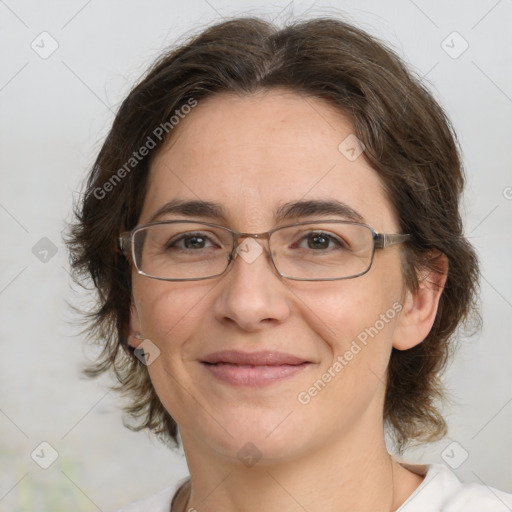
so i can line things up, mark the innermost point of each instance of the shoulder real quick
(442, 491)
(158, 502)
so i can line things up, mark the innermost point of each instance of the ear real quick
(134, 336)
(420, 306)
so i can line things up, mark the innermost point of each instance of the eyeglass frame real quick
(380, 241)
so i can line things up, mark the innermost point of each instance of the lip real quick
(253, 368)
(262, 358)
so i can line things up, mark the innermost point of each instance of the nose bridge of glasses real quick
(262, 236)
(245, 245)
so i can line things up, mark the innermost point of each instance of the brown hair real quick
(408, 140)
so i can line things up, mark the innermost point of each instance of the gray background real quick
(55, 112)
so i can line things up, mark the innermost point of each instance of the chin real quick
(267, 437)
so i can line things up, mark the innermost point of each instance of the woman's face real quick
(251, 156)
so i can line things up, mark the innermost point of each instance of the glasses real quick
(183, 250)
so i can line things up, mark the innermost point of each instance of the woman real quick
(272, 226)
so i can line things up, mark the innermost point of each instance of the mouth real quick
(253, 368)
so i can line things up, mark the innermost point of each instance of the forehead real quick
(255, 153)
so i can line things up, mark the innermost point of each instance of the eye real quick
(190, 241)
(322, 241)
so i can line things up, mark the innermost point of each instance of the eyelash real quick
(184, 236)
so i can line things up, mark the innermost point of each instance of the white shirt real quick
(440, 491)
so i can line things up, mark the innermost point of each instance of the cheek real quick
(339, 311)
(356, 320)
(170, 314)
(169, 311)
(357, 329)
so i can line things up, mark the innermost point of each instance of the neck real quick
(339, 477)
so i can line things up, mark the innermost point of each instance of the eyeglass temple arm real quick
(124, 241)
(383, 240)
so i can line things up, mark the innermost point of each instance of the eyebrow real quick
(317, 207)
(196, 208)
(287, 212)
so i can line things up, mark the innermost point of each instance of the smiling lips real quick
(252, 368)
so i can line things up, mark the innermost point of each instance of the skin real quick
(253, 154)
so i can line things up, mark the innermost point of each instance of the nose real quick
(252, 295)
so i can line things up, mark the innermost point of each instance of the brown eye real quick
(318, 242)
(190, 241)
